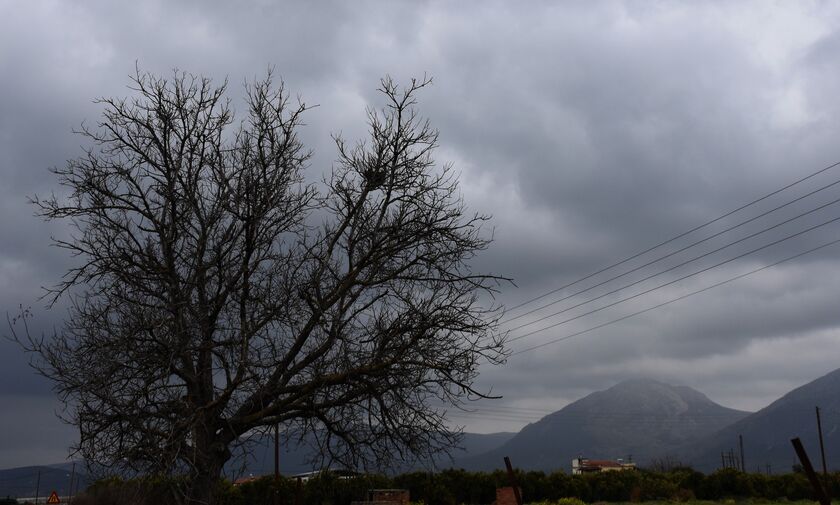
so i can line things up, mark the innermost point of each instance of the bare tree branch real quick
(207, 306)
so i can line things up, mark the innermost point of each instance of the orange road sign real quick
(53, 498)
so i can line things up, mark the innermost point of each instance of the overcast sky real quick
(590, 130)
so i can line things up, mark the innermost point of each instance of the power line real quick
(689, 247)
(496, 417)
(651, 276)
(677, 237)
(464, 408)
(627, 416)
(732, 279)
(656, 287)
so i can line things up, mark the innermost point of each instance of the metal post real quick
(72, 477)
(37, 487)
(809, 471)
(276, 462)
(512, 478)
(822, 447)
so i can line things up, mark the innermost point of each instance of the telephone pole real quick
(514, 483)
(37, 487)
(276, 462)
(819, 490)
(822, 447)
(72, 477)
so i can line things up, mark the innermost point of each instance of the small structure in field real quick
(506, 496)
(585, 465)
(339, 473)
(245, 480)
(385, 497)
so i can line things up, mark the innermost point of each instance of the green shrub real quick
(450, 487)
(569, 501)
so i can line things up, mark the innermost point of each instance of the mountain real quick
(25, 481)
(478, 443)
(296, 459)
(640, 420)
(643, 419)
(767, 433)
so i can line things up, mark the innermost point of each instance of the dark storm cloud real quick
(590, 131)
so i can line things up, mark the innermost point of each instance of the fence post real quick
(809, 471)
(512, 478)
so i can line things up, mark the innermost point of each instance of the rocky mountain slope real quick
(767, 433)
(640, 420)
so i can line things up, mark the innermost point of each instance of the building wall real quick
(505, 496)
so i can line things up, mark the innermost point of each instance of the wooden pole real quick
(276, 462)
(37, 487)
(822, 447)
(513, 482)
(741, 446)
(72, 476)
(809, 471)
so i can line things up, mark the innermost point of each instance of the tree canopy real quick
(219, 291)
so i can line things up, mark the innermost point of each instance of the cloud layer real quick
(590, 130)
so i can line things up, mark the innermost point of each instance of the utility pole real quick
(276, 461)
(72, 477)
(809, 472)
(513, 482)
(298, 491)
(822, 447)
(741, 446)
(37, 487)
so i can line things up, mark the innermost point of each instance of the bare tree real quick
(217, 293)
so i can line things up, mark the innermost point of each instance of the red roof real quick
(243, 480)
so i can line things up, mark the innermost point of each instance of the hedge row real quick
(452, 487)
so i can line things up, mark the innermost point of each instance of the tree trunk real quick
(201, 491)
(205, 482)
(211, 455)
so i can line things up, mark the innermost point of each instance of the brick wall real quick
(505, 496)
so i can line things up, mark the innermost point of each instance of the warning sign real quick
(53, 498)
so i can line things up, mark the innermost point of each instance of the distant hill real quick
(644, 420)
(296, 459)
(640, 420)
(22, 481)
(767, 433)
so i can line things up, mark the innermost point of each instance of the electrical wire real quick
(651, 276)
(690, 246)
(673, 300)
(677, 237)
